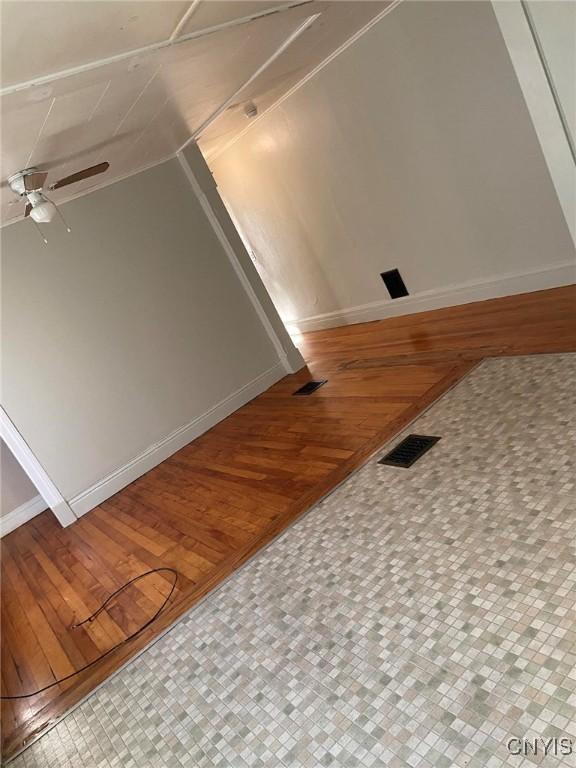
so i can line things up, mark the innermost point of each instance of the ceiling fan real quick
(29, 184)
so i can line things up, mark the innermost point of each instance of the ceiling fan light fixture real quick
(43, 212)
(29, 183)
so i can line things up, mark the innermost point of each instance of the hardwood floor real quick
(217, 501)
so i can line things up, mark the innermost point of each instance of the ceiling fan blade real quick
(94, 170)
(34, 181)
(27, 210)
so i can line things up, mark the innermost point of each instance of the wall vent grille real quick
(394, 283)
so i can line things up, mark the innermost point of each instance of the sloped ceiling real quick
(131, 82)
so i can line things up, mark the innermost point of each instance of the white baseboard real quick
(22, 514)
(437, 298)
(160, 451)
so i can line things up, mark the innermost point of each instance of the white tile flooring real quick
(419, 617)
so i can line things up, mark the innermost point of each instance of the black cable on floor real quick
(118, 645)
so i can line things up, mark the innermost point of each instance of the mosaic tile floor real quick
(416, 618)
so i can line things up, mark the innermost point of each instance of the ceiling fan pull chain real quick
(59, 212)
(39, 231)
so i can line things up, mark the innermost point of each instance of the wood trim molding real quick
(438, 298)
(155, 454)
(22, 514)
(35, 471)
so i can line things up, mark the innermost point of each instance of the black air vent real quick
(309, 387)
(393, 281)
(409, 450)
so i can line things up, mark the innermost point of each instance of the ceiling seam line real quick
(41, 129)
(104, 92)
(148, 125)
(136, 100)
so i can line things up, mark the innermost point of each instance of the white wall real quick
(412, 149)
(126, 338)
(15, 487)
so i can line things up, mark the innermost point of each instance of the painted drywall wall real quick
(15, 487)
(412, 149)
(555, 24)
(124, 331)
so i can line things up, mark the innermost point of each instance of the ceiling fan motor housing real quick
(17, 181)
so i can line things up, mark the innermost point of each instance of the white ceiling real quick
(131, 82)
